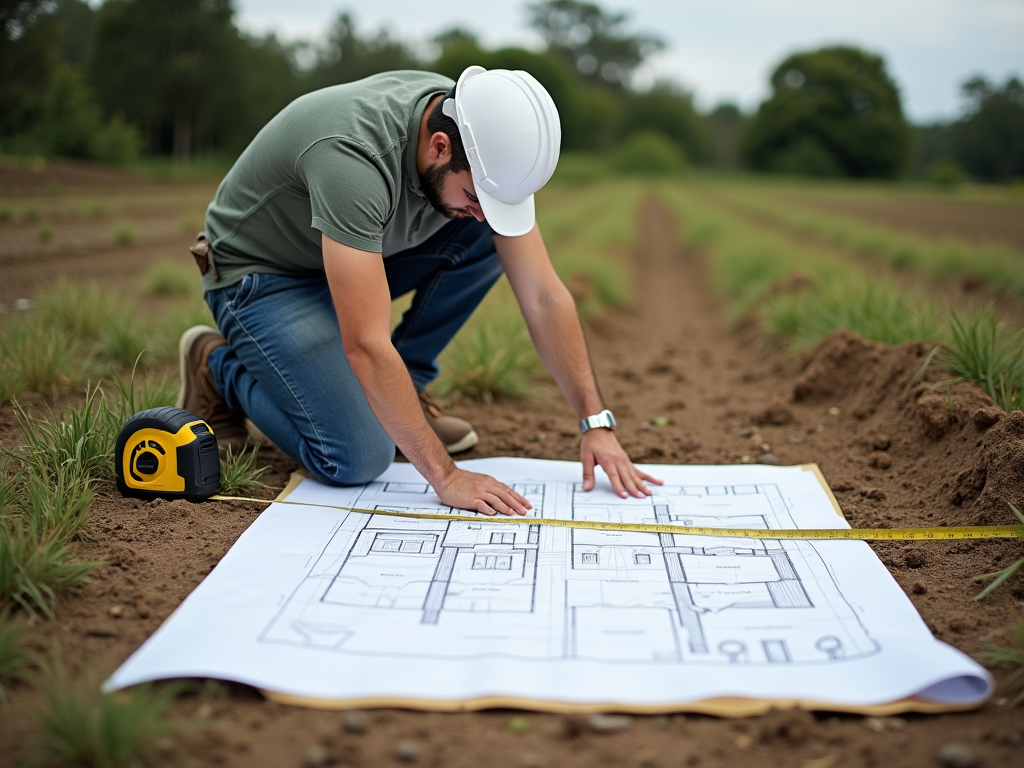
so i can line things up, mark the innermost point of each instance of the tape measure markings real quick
(814, 534)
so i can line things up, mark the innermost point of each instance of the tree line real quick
(179, 78)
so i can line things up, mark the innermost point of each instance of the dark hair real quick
(439, 122)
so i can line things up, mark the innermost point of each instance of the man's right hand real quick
(481, 493)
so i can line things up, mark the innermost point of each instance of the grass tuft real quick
(124, 234)
(15, 658)
(79, 442)
(156, 392)
(999, 577)
(85, 727)
(170, 278)
(983, 350)
(876, 310)
(492, 359)
(34, 566)
(179, 319)
(238, 471)
(39, 358)
(124, 338)
(1012, 656)
(81, 310)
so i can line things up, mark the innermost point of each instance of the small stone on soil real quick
(880, 724)
(747, 431)
(875, 494)
(833, 411)
(407, 751)
(353, 721)
(880, 460)
(573, 725)
(315, 756)
(769, 458)
(881, 443)
(955, 755)
(609, 723)
(777, 412)
(987, 417)
(115, 611)
(100, 632)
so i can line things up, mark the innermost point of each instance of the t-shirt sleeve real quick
(348, 193)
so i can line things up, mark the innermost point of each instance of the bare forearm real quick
(558, 335)
(392, 398)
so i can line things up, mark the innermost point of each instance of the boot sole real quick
(184, 346)
(467, 442)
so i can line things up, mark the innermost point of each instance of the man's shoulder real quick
(400, 86)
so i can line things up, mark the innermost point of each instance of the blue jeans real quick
(286, 369)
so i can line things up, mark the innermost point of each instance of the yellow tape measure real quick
(819, 534)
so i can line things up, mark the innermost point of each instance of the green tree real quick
(165, 63)
(27, 62)
(590, 115)
(834, 111)
(454, 37)
(74, 21)
(988, 141)
(348, 56)
(591, 40)
(266, 79)
(725, 124)
(667, 110)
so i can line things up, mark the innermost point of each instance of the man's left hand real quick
(600, 446)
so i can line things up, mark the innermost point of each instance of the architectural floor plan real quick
(547, 592)
(324, 604)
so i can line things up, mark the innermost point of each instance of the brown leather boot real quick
(456, 434)
(198, 392)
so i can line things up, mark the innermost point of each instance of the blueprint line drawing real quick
(442, 588)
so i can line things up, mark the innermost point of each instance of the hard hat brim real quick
(509, 219)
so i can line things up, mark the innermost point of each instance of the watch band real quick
(602, 419)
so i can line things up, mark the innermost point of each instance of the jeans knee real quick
(353, 465)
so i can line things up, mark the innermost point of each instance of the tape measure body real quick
(802, 534)
(167, 453)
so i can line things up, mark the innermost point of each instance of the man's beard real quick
(431, 182)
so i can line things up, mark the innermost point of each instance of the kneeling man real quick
(354, 195)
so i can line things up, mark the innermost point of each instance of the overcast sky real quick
(724, 50)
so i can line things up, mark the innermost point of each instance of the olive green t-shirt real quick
(339, 161)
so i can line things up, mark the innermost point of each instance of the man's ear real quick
(440, 150)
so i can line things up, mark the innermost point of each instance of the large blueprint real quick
(320, 603)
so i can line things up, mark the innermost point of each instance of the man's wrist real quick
(602, 420)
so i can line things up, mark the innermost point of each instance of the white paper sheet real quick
(327, 604)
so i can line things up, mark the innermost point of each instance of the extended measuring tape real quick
(820, 534)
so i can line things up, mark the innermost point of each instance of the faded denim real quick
(286, 369)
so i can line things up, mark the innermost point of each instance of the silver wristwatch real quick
(602, 419)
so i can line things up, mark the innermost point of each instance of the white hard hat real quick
(510, 130)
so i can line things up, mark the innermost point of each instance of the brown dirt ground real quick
(895, 452)
(975, 221)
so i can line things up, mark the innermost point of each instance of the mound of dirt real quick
(966, 453)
